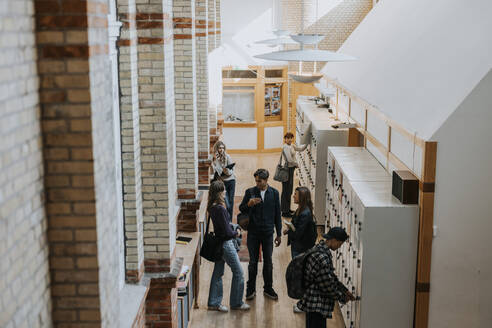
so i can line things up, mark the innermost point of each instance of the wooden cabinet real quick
(189, 286)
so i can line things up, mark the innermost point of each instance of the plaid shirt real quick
(324, 288)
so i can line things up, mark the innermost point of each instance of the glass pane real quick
(273, 73)
(245, 88)
(238, 107)
(239, 74)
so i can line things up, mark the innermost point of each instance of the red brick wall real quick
(63, 54)
(161, 303)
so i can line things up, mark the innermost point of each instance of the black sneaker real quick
(250, 294)
(270, 293)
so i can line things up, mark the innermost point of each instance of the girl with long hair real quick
(305, 234)
(220, 165)
(216, 208)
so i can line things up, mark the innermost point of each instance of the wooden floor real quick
(264, 312)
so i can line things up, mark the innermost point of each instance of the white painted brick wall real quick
(157, 133)
(24, 293)
(202, 75)
(185, 95)
(130, 142)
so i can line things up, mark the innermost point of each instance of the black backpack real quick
(294, 275)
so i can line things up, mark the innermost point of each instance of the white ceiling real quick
(418, 59)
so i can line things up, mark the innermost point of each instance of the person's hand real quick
(253, 201)
(349, 295)
(278, 240)
(286, 231)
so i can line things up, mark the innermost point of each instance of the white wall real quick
(243, 23)
(461, 278)
(241, 138)
(418, 60)
(274, 137)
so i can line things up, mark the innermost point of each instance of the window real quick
(238, 103)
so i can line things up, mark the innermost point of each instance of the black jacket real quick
(220, 220)
(265, 216)
(302, 239)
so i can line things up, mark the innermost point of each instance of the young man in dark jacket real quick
(324, 287)
(262, 203)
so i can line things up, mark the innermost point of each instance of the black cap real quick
(337, 233)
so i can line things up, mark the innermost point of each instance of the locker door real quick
(359, 287)
(357, 219)
(346, 193)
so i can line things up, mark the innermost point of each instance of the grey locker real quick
(378, 263)
(312, 162)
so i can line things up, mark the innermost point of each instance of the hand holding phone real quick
(254, 201)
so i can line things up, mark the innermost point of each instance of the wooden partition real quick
(298, 89)
(380, 134)
(266, 124)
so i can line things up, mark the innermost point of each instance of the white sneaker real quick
(296, 309)
(243, 307)
(220, 308)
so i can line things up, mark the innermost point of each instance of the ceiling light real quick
(281, 33)
(307, 38)
(278, 41)
(306, 77)
(309, 55)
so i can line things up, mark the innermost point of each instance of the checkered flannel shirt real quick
(324, 288)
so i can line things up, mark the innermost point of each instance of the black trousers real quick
(254, 241)
(230, 186)
(315, 320)
(287, 188)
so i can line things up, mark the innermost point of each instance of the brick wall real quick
(217, 24)
(106, 191)
(171, 131)
(157, 130)
(130, 141)
(211, 25)
(201, 30)
(185, 97)
(77, 117)
(24, 274)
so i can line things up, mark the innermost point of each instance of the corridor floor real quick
(264, 312)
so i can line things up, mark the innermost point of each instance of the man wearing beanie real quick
(324, 288)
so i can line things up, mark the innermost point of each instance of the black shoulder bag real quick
(212, 246)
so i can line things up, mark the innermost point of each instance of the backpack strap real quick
(310, 252)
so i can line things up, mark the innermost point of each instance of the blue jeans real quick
(237, 287)
(230, 187)
(254, 241)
